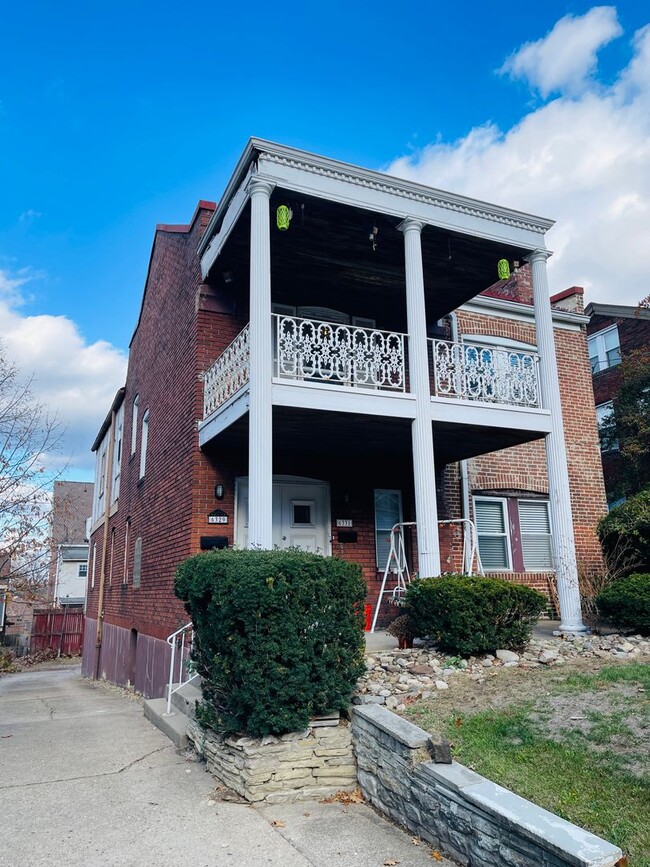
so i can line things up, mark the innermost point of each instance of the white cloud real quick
(565, 58)
(584, 162)
(29, 215)
(74, 379)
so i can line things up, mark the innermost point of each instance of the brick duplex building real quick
(321, 356)
(614, 332)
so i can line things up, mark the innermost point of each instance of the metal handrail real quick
(178, 639)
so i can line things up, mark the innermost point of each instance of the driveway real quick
(86, 780)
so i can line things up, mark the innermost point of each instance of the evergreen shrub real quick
(626, 603)
(467, 615)
(278, 636)
(624, 535)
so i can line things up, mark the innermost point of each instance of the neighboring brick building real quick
(397, 383)
(71, 508)
(614, 331)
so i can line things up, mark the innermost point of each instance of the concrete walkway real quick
(86, 780)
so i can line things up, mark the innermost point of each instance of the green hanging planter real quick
(503, 269)
(283, 217)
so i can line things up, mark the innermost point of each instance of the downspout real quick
(102, 575)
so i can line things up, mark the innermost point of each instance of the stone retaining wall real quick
(314, 763)
(466, 816)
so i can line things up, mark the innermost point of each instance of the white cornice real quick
(378, 182)
(405, 189)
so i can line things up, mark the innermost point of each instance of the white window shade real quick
(491, 528)
(535, 528)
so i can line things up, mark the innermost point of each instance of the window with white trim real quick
(535, 527)
(604, 349)
(83, 570)
(514, 534)
(491, 518)
(388, 512)
(134, 423)
(144, 438)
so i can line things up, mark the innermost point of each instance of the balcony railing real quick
(228, 373)
(486, 373)
(314, 351)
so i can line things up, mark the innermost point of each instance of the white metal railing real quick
(228, 373)
(309, 349)
(487, 373)
(397, 563)
(180, 665)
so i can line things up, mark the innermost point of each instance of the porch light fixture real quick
(503, 269)
(219, 492)
(283, 217)
(372, 237)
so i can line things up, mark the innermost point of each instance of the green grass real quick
(575, 774)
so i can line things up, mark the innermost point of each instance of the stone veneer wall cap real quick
(455, 776)
(402, 730)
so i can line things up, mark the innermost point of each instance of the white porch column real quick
(564, 552)
(260, 418)
(424, 470)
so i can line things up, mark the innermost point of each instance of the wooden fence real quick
(59, 629)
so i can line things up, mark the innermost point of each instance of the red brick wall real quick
(523, 468)
(163, 372)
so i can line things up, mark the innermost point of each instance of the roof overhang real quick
(117, 403)
(307, 173)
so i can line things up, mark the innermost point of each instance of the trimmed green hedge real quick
(467, 615)
(278, 636)
(626, 603)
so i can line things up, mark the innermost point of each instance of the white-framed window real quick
(117, 454)
(514, 534)
(92, 574)
(134, 423)
(125, 568)
(604, 413)
(535, 527)
(388, 512)
(110, 569)
(83, 570)
(604, 349)
(144, 438)
(491, 518)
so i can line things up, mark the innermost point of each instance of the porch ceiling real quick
(310, 432)
(326, 258)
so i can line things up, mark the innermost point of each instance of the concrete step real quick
(174, 725)
(186, 697)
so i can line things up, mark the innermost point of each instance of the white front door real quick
(301, 516)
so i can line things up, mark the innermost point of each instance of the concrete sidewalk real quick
(86, 780)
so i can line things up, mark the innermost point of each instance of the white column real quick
(260, 417)
(424, 471)
(564, 551)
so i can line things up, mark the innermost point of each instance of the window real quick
(388, 512)
(83, 570)
(492, 530)
(535, 526)
(604, 415)
(117, 454)
(125, 570)
(514, 534)
(143, 443)
(604, 349)
(302, 513)
(92, 576)
(137, 561)
(134, 423)
(110, 568)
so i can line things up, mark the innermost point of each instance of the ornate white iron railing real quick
(308, 349)
(228, 373)
(486, 373)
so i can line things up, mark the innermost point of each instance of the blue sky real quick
(116, 117)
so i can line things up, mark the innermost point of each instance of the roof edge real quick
(117, 403)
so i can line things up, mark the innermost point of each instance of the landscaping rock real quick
(507, 656)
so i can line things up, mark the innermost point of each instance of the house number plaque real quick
(217, 517)
(343, 522)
